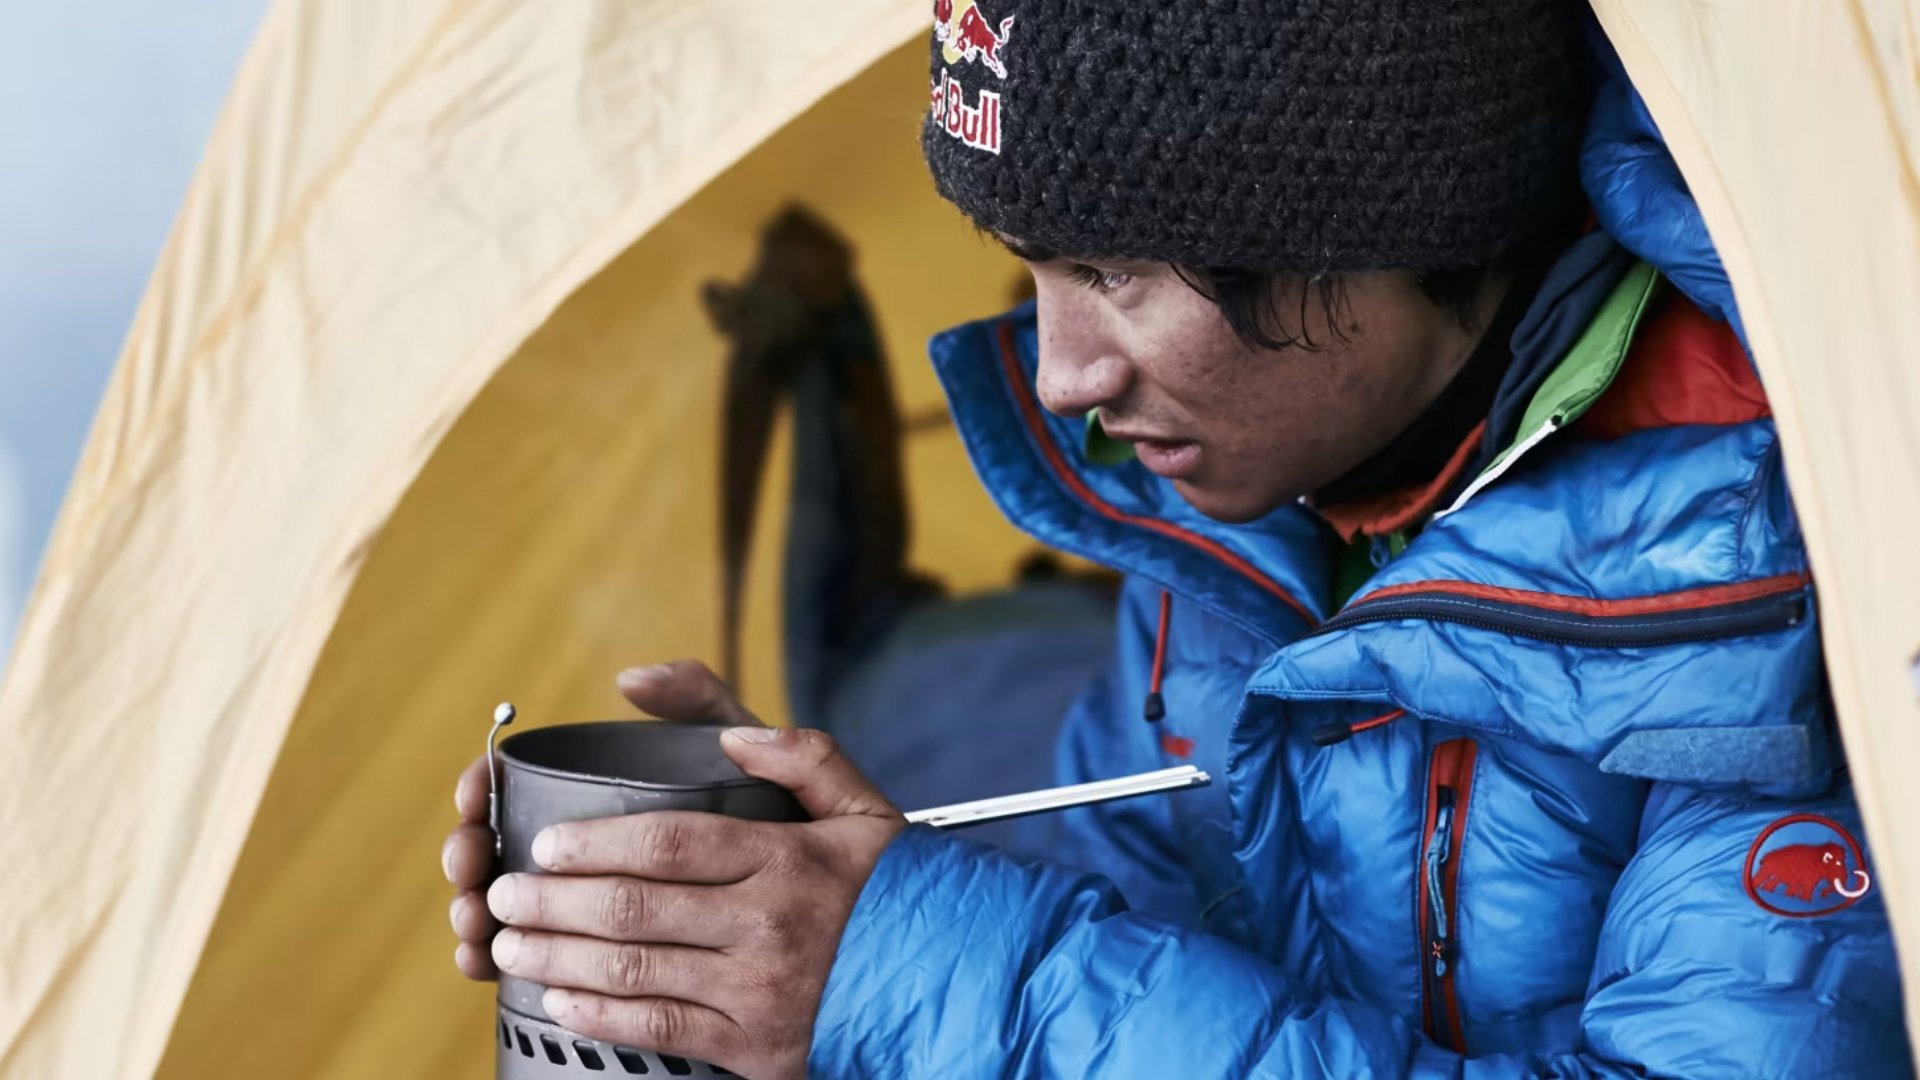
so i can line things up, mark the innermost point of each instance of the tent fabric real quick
(1797, 127)
(397, 197)
(565, 527)
(417, 416)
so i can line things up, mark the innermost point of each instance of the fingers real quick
(683, 690)
(475, 962)
(809, 764)
(467, 856)
(665, 845)
(621, 969)
(616, 909)
(467, 860)
(470, 792)
(471, 919)
(664, 1026)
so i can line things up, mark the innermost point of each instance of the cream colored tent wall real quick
(1798, 128)
(564, 529)
(396, 198)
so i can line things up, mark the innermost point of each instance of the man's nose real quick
(1079, 370)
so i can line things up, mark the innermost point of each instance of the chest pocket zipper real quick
(1437, 852)
(1449, 787)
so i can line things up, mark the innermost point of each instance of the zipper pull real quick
(1379, 552)
(1439, 948)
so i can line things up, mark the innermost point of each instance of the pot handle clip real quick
(503, 715)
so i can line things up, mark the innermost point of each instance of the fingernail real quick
(543, 846)
(751, 734)
(446, 858)
(555, 1002)
(506, 947)
(500, 898)
(642, 673)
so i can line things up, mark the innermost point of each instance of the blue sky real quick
(104, 108)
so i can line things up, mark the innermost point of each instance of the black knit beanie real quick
(1266, 135)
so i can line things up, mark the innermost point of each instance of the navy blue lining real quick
(1574, 289)
(1737, 619)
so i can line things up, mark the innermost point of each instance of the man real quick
(1458, 548)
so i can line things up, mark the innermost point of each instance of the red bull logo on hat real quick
(1805, 865)
(977, 125)
(966, 37)
(963, 29)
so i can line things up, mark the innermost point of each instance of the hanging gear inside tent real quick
(801, 310)
(424, 328)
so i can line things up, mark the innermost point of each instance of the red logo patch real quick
(963, 28)
(1805, 865)
(966, 37)
(1177, 745)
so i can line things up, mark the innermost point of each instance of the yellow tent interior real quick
(594, 548)
(418, 415)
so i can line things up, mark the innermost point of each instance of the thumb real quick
(684, 690)
(809, 764)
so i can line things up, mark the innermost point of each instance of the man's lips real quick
(1175, 459)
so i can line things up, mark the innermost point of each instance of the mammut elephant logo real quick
(1805, 865)
(1803, 870)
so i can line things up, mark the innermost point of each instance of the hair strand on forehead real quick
(1251, 301)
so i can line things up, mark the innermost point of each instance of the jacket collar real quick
(1269, 576)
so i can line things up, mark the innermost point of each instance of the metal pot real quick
(577, 772)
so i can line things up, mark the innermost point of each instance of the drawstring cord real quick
(1156, 706)
(1334, 734)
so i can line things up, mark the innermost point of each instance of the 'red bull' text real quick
(976, 125)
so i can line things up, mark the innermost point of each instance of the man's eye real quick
(1097, 279)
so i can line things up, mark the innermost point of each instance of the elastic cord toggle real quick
(1335, 734)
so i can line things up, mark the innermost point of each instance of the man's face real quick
(1239, 430)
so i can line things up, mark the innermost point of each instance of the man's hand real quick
(467, 860)
(693, 934)
(683, 690)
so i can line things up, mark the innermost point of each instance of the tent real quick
(414, 418)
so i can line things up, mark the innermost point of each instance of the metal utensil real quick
(981, 811)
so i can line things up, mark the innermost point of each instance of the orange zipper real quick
(1449, 794)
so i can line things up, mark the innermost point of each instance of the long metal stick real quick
(981, 811)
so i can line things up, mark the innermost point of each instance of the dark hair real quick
(1253, 302)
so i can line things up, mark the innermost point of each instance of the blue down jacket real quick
(1556, 793)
